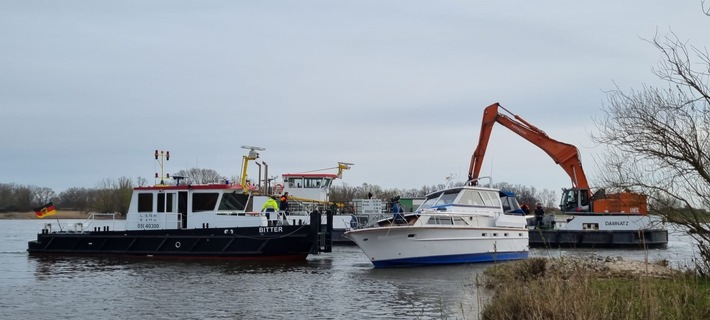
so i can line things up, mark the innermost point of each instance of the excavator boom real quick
(565, 155)
(575, 199)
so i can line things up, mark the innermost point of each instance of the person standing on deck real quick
(397, 211)
(283, 206)
(270, 206)
(539, 214)
(525, 208)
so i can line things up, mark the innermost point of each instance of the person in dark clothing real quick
(539, 214)
(397, 211)
(283, 206)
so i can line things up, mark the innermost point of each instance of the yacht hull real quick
(411, 246)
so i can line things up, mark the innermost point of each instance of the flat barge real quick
(594, 230)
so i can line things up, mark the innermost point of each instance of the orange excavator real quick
(579, 198)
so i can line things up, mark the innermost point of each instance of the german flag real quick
(45, 210)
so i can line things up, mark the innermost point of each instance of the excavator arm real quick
(566, 155)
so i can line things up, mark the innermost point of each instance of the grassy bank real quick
(593, 288)
(61, 214)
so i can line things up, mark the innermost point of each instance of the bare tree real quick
(75, 199)
(549, 199)
(103, 196)
(659, 140)
(43, 195)
(123, 192)
(199, 176)
(141, 181)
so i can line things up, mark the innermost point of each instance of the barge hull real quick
(631, 239)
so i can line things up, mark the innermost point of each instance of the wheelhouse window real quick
(204, 201)
(313, 182)
(234, 201)
(295, 182)
(326, 183)
(165, 202)
(145, 202)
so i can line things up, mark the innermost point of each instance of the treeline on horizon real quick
(114, 195)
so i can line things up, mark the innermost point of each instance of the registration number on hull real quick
(148, 226)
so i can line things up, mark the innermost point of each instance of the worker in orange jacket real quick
(283, 206)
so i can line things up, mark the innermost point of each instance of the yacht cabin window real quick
(145, 202)
(490, 198)
(439, 220)
(471, 197)
(204, 201)
(507, 204)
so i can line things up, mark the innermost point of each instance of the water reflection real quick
(339, 285)
(70, 267)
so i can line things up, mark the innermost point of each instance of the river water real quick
(338, 285)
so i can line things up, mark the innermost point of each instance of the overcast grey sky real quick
(89, 89)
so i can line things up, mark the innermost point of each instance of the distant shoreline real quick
(61, 214)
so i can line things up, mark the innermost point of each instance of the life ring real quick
(177, 244)
(278, 188)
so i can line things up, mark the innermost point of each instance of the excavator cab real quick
(575, 200)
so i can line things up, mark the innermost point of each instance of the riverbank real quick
(594, 288)
(61, 214)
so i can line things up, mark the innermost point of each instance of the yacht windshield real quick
(429, 201)
(448, 197)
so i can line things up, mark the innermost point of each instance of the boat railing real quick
(361, 221)
(307, 206)
(81, 227)
(96, 216)
(476, 181)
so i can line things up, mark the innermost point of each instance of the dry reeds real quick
(592, 288)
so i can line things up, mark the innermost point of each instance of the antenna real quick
(161, 157)
(450, 180)
(253, 154)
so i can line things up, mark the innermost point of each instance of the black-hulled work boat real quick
(192, 221)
